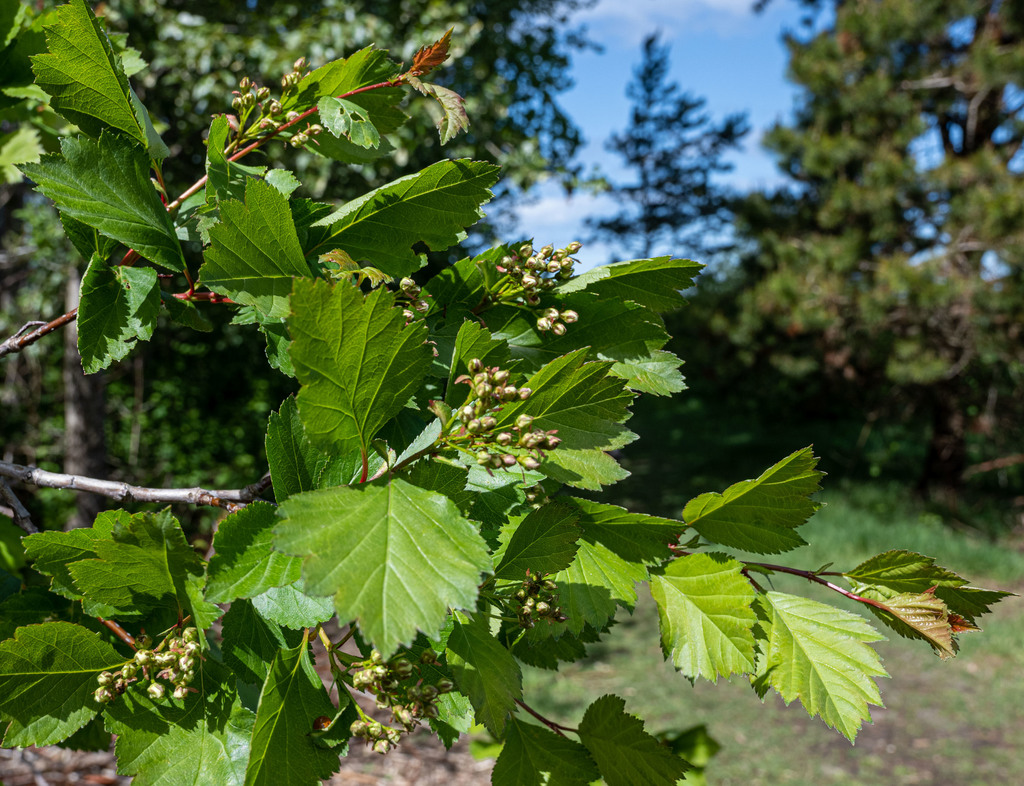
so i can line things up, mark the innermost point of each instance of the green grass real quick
(955, 723)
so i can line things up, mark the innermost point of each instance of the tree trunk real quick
(946, 459)
(85, 444)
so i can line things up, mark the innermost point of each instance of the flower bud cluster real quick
(250, 96)
(556, 321)
(538, 271)
(174, 661)
(536, 600)
(518, 445)
(409, 704)
(409, 296)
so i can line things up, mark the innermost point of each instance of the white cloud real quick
(631, 20)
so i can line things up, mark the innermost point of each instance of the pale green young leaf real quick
(47, 679)
(760, 515)
(535, 756)
(119, 305)
(347, 119)
(657, 373)
(251, 642)
(182, 742)
(291, 607)
(484, 671)
(83, 75)
(394, 556)
(655, 283)
(255, 254)
(453, 110)
(244, 564)
(590, 469)
(283, 180)
(544, 542)
(154, 144)
(819, 654)
(704, 604)
(433, 206)
(626, 755)
(104, 183)
(357, 360)
(921, 615)
(146, 564)
(283, 752)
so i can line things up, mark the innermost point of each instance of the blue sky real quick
(720, 50)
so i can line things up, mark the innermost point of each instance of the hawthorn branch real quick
(557, 728)
(230, 499)
(19, 513)
(21, 339)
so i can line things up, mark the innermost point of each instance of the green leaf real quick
(654, 283)
(634, 536)
(471, 341)
(244, 564)
(922, 616)
(145, 564)
(283, 180)
(760, 515)
(255, 254)
(818, 654)
(47, 679)
(394, 556)
(903, 571)
(484, 670)
(348, 119)
(366, 67)
(970, 602)
(225, 179)
(291, 607)
(533, 756)
(87, 240)
(453, 111)
(83, 75)
(251, 642)
(657, 373)
(625, 753)
(283, 753)
(581, 402)
(357, 361)
(706, 619)
(119, 305)
(295, 465)
(185, 313)
(105, 184)
(53, 553)
(21, 146)
(31, 606)
(543, 542)
(202, 738)
(432, 206)
(589, 469)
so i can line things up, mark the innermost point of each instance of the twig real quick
(18, 342)
(999, 463)
(231, 499)
(557, 728)
(118, 631)
(20, 515)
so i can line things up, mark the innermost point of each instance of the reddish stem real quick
(209, 297)
(557, 728)
(118, 631)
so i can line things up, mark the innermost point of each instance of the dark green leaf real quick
(760, 515)
(105, 184)
(484, 670)
(47, 679)
(119, 306)
(251, 642)
(544, 542)
(254, 253)
(83, 75)
(244, 564)
(533, 756)
(283, 752)
(433, 207)
(394, 556)
(357, 360)
(626, 755)
(904, 571)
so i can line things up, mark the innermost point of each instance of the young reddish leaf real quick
(430, 57)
